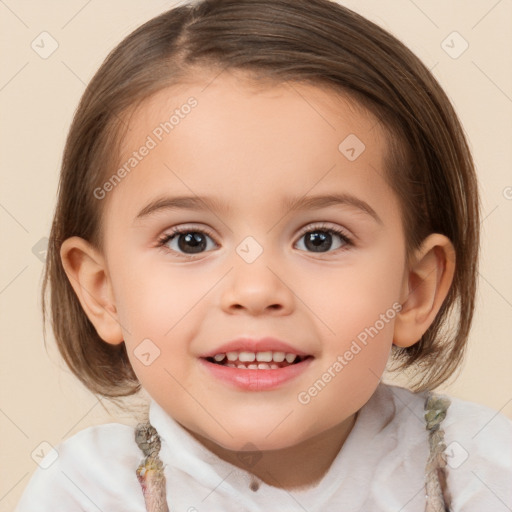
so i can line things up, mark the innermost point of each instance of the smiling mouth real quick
(268, 360)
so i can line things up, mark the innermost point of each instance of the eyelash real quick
(164, 239)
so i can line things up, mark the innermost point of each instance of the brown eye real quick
(321, 240)
(187, 241)
(192, 242)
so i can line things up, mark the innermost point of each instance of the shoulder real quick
(94, 469)
(479, 456)
(479, 427)
(478, 450)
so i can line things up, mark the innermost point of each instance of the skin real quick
(251, 148)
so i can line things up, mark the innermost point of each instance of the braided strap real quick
(150, 472)
(436, 490)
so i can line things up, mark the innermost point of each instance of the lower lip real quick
(256, 380)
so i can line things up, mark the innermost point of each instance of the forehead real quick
(227, 134)
(239, 103)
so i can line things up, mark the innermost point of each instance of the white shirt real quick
(381, 466)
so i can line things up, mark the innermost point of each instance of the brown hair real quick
(315, 41)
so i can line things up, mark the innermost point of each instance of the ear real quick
(86, 270)
(426, 284)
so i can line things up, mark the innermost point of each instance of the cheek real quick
(151, 312)
(151, 300)
(157, 310)
(360, 310)
(143, 309)
(356, 296)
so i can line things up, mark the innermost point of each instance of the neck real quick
(301, 465)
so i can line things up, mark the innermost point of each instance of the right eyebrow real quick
(181, 202)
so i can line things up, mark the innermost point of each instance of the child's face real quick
(256, 274)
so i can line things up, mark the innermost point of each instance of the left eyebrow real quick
(324, 201)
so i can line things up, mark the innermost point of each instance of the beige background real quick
(40, 400)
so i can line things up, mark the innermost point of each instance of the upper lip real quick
(246, 344)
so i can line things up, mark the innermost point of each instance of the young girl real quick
(262, 204)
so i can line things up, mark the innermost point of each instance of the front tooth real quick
(290, 358)
(252, 366)
(263, 366)
(242, 366)
(264, 356)
(219, 357)
(274, 366)
(246, 357)
(278, 357)
(232, 356)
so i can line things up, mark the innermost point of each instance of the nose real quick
(256, 288)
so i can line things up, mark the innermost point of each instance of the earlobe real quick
(426, 284)
(87, 273)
